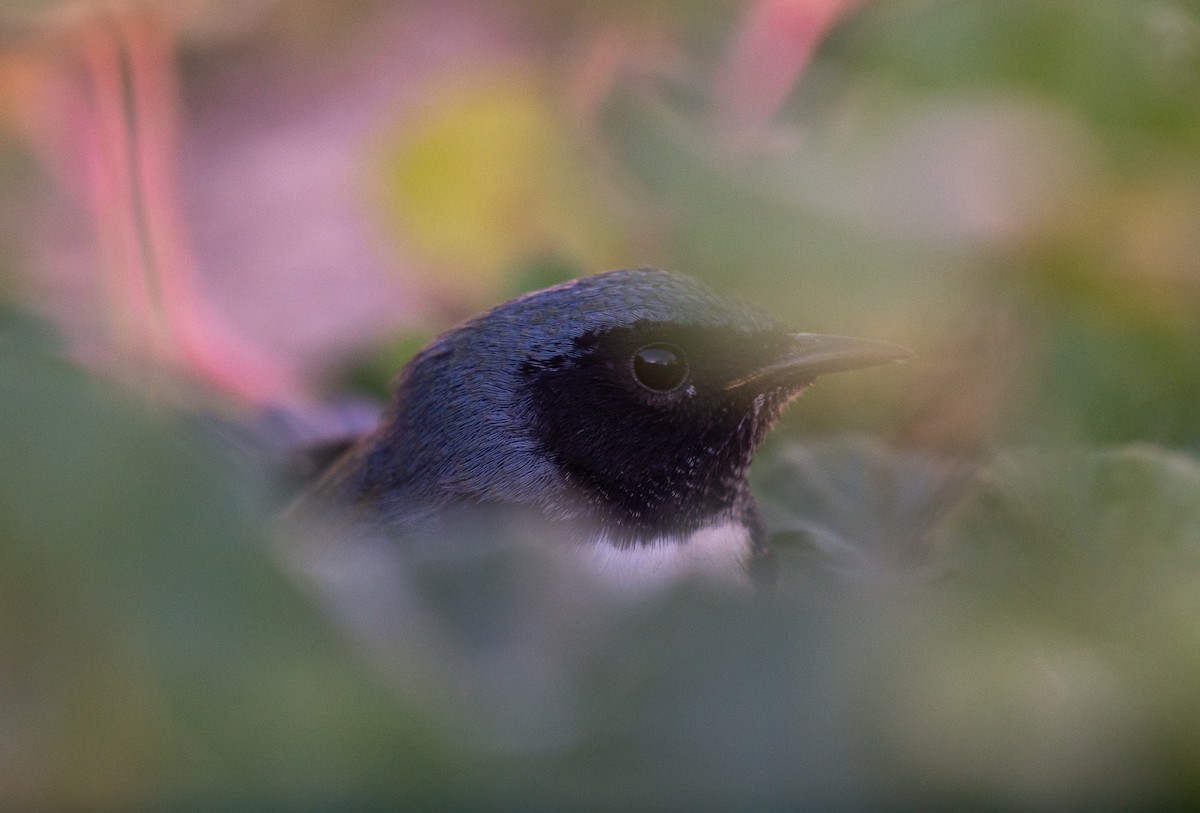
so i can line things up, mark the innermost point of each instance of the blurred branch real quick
(111, 128)
(768, 55)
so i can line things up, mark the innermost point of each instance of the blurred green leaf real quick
(1057, 666)
(1113, 360)
(1101, 528)
(154, 650)
(374, 375)
(1128, 67)
(856, 509)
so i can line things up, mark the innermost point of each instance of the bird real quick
(620, 410)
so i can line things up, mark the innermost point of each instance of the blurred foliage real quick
(1012, 189)
(1105, 290)
(374, 374)
(490, 175)
(151, 648)
(1019, 635)
(1066, 628)
(1131, 69)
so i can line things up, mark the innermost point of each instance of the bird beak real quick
(809, 355)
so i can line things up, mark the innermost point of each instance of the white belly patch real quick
(718, 554)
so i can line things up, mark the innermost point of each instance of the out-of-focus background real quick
(220, 221)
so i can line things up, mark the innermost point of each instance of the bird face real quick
(650, 426)
(625, 406)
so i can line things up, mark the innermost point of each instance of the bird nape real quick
(620, 410)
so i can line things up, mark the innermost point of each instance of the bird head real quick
(627, 403)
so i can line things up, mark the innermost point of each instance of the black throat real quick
(641, 465)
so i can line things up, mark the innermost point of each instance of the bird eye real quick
(659, 367)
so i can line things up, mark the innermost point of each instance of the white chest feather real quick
(717, 554)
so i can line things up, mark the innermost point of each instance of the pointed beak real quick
(809, 355)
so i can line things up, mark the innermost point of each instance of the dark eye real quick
(659, 367)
